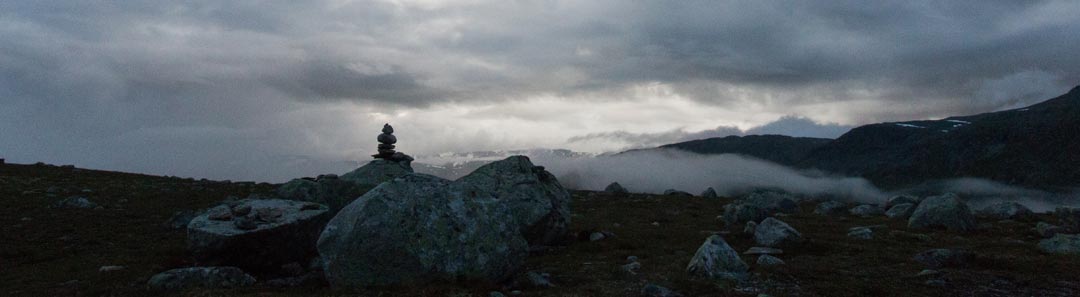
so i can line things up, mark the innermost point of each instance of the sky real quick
(230, 89)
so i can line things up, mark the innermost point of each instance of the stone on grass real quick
(750, 227)
(616, 188)
(772, 232)
(830, 208)
(902, 199)
(674, 192)
(271, 233)
(1007, 210)
(945, 211)
(772, 201)
(737, 212)
(866, 211)
(715, 259)
(769, 260)
(941, 258)
(75, 202)
(709, 193)
(863, 233)
(201, 277)
(901, 211)
(1061, 244)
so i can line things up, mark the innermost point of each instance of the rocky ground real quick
(122, 233)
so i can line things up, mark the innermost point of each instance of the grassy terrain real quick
(57, 252)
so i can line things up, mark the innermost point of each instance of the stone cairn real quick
(386, 146)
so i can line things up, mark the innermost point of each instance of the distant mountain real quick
(1036, 146)
(780, 149)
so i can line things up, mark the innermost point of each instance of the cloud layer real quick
(182, 88)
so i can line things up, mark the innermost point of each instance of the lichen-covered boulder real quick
(1061, 244)
(945, 211)
(900, 211)
(200, 277)
(1007, 210)
(537, 202)
(257, 235)
(615, 188)
(772, 232)
(377, 172)
(329, 190)
(420, 228)
(716, 259)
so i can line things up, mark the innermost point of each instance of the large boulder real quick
(709, 193)
(1061, 244)
(335, 191)
(537, 202)
(900, 211)
(945, 211)
(329, 190)
(615, 188)
(257, 235)
(378, 171)
(716, 259)
(1007, 210)
(200, 277)
(772, 232)
(420, 228)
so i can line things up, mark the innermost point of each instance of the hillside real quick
(780, 149)
(61, 252)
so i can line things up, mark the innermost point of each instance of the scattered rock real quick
(830, 208)
(901, 211)
(111, 268)
(1047, 230)
(769, 260)
(75, 202)
(902, 199)
(652, 290)
(631, 268)
(760, 250)
(180, 219)
(945, 211)
(750, 227)
(928, 272)
(772, 201)
(201, 277)
(941, 258)
(908, 236)
(1068, 218)
(538, 280)
(866, 211)
(420, 228)
(1061, 244)
(674, 192)
(1007, 211)
(737, 212)
(600, 235)
(616, 188)
(274, 233)
(772, 232)
(709, 193)
(861, 233)
(716, 259)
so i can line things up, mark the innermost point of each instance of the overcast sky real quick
(207, 88)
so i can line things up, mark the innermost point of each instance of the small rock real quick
(750, 227)
(769, 260)
(75, 202)
(1047, 230)
(936, 282)
(219, 213)
(655, 223)
(900, 211)
(200, 277)
(830, 208)
(709, 193)
(632, 268)
(866, 211)
(863, 233)
(760, 250)
(928, 272)
(772, 232)
(631, 259)
(940, 258)
(902, 199)
(652, 290)
(110, 268)
(1061, 244)
(596, 236)
(716, 259)
(1007, 210)
(539, 280)
(615, 188)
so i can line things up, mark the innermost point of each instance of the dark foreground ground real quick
(58, 252)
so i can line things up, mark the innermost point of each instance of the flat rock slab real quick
(257, 234)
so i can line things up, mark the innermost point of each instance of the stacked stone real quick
(386, 146)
